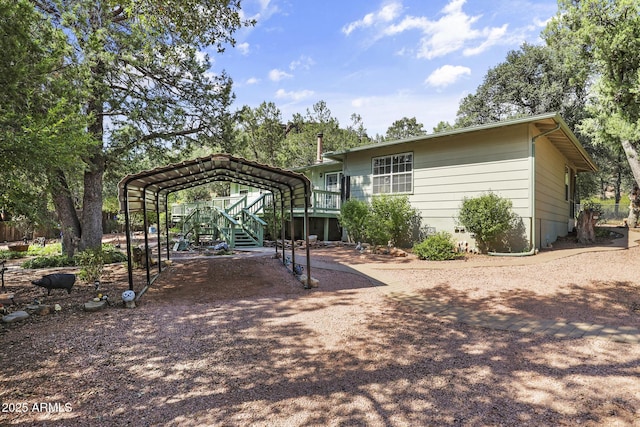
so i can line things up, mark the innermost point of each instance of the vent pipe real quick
(319, 149)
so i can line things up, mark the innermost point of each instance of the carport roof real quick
(154, 185)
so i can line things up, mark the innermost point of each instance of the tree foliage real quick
(605, 35)
(146, 89)
(41, 123)
(532, 80)
(404, 128)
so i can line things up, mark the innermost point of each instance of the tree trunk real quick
(92, 205)
(586, 231)
(634, 208)
(633, 159)
(69, 222)
(96, 163)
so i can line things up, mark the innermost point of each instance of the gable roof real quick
(563, 139)
(154, 185)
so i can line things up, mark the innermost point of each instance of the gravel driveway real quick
(221, 341)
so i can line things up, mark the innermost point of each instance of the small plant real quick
(439, 247)
(489, 217)
(353, 217)
(391, 219)
(91, 263)
(49, 262)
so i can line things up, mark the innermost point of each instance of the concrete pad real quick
(593, 330)
(579, 330)
(542, 326)
(564, 331)
(519, 325)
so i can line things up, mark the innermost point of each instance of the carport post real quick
(158, 231)
(146, 232)
(275, 222)
(166, 223)
(282, 227)
(292, 230)
(127, 226)
(306, 235)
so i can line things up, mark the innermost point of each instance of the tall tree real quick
(262, 133)
(301, 140)
(147, 87)
(606, 35)
(532, 80)
(405, 128)
(41, 125)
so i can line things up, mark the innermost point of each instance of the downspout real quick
(533, 250)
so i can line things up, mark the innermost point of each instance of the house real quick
(532, 161)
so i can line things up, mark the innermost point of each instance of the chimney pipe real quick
(319, 151)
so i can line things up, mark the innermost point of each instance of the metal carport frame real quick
(147, 191)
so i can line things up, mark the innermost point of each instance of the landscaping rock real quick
(95, 305)
(41, 309)
(15, 316)
(314, 282)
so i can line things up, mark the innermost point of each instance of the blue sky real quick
(383, 60)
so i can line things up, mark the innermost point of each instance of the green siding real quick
(451, 168)
(552, 209)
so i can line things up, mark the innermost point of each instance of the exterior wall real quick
(252, 193)
(316, 174)
(448, 169)
(552, 208)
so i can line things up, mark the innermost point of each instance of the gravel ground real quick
(237, 341)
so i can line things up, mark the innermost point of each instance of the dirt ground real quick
(236, 340)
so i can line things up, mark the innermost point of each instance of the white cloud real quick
(294, 95)
(446, 75)
(276, 75)
(454, 30)
(252, 81)
(387, 13)
(304, 63)
(243, 48)
(493, 36)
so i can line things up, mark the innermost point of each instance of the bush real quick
(488, 217)
(109, 255)
(439, 247)
(391, 219)
(353, 217)
(49, 262)
(387, 218)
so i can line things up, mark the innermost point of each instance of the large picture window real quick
(393, 174)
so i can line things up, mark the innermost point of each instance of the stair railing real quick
(226, 224)
(234, 209)
(253, 225)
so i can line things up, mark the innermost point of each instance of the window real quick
(393, 174)
(332, 182)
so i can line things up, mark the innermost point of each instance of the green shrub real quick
(47, 250)
(353, 217)
(49, 262)
(7, 254)
(109, 255)
(489, 217)
(91, 263)
(439, 247)
(391, 219)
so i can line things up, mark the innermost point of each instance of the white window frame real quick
(338, 175)
(387, 172)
